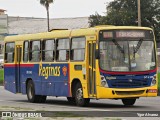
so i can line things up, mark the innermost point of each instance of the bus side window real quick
(9, 52)
(62, 50)
(35, 51)
(26, 51)
(78, 49)
(48, 53)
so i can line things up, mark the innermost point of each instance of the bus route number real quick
(147, 77)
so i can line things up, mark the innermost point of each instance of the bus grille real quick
(135, 83)
(139, 92)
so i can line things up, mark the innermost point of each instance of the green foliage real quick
(124, 12)
(46, 3)
(97, 20)
(1, 76)
(159, 82)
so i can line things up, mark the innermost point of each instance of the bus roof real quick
(69, 33)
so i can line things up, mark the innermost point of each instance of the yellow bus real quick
(102, 62)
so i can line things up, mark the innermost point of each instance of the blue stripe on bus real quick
(49, 79)
(129, 81)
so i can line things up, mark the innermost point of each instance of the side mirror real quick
(97, 54)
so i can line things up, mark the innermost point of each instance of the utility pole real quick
(139, 12)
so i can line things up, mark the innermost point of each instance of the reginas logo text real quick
(49, 71)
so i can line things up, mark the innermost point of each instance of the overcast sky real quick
(60, 8)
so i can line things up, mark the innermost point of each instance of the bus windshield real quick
(128, 55)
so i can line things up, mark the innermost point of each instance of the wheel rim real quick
(30, 92)
(79, 95)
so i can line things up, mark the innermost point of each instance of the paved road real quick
(10, 101)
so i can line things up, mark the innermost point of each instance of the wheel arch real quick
(73, 84)
(27, 80)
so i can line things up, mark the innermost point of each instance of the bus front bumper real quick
(117, 93)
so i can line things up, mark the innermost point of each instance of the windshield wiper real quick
(135, 49)
(138, 46)
(118, 46)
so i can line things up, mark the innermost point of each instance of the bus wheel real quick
(129, 102)
(80, 101)
(71, 100)
(31, 93)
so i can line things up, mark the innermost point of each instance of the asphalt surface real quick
(14, 102)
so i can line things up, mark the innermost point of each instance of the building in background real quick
(27, 25)
(11, 25)
(3, 28)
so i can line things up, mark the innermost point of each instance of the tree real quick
(96, 20)
(46, 4)
(124, 12)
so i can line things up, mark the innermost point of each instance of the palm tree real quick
(46, 4)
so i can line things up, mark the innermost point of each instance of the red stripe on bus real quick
(21, 65)
(128, 73)
(10, 65)
(26, 65)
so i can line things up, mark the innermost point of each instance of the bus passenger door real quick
(17, 70)
(92, 68)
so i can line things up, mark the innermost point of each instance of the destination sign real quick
(107, 34)
(130, 34)
(148, 34)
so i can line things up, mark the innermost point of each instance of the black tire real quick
(78, 93)
(31, 94)
(71, 100)
(129, 102)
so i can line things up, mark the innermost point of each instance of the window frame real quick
(31, 51)
(78, 49)
(9, 52)
(68, 50)
(25, 51)
(42, 50)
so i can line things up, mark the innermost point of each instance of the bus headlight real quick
(103, 81)
(153, 82)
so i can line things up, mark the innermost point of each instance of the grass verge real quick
(1, 76)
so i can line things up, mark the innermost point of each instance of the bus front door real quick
(92, 68)
(17, 70)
